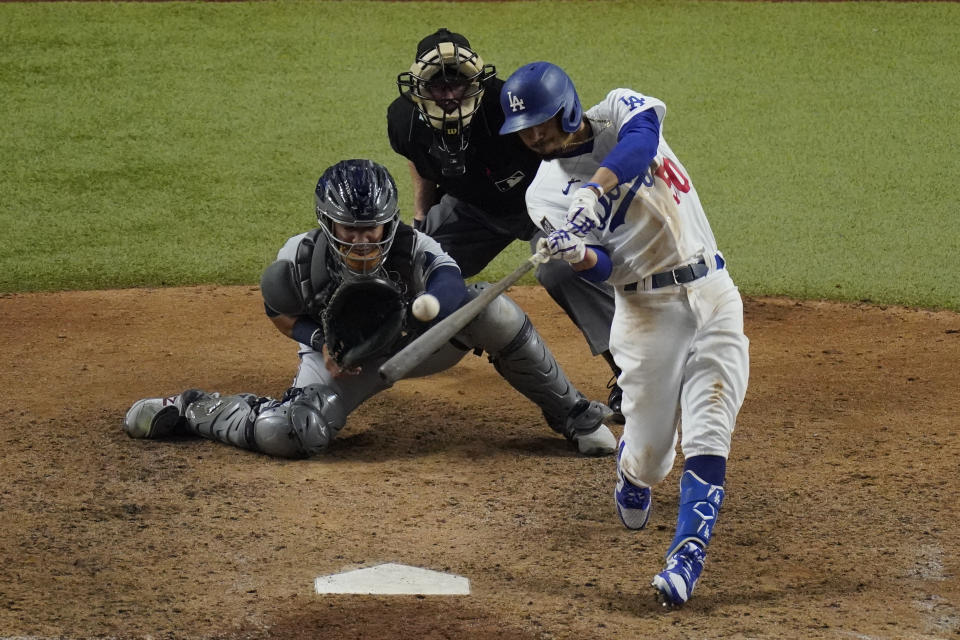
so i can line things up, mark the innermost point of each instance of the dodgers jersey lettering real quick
(650, 224)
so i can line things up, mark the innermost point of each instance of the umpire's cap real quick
(441, 35)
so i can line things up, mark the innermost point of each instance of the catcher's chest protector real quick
(364, 318)
(399, 263)
(313, 277)
(304, 285)
(400, 260)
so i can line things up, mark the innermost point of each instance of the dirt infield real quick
(841, 519)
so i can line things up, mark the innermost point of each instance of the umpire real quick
(469, 181)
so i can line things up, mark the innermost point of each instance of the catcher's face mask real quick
(362, 249)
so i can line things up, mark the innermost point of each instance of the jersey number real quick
(668, 171)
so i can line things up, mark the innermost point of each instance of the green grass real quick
(149, 144)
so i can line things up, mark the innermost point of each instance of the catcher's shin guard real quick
(530, 368)
(700, 504)
(225, 419)
(301, 424)
(520, 356)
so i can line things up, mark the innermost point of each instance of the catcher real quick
(344, 291)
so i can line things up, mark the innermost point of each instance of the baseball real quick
(425, 307)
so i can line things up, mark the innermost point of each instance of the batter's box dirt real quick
(841, 518)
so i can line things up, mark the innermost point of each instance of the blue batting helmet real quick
(537, 92)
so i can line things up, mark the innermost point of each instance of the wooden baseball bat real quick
(401, 363)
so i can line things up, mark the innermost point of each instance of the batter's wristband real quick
(595, 185)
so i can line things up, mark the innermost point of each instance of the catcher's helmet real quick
(445, 62)
(537, 92)
(358, 194)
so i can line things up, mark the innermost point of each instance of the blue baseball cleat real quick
(633, 502)
(675, 584)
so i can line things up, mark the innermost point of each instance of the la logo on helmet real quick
(516, 103)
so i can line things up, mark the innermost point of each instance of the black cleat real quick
(614, 400)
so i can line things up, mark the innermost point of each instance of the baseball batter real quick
(619, 206)
(351, 293)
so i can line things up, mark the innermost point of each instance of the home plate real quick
(394, 579)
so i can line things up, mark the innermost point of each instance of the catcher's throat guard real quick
(364, 320)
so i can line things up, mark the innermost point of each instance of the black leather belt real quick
(680, 275)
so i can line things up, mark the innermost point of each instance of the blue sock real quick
(712, 469)
(701, 495)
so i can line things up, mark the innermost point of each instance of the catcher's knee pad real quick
(302, 424)
(700, 504)
(317, 414)
(496, 326)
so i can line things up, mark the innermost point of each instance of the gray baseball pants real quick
(473, 238)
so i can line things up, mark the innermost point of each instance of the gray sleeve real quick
(428, 253)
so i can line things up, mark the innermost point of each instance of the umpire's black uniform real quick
(483, 210)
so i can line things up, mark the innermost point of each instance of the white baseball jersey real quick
(651, 224)
(647, 227)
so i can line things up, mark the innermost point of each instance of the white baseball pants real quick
(685, 364)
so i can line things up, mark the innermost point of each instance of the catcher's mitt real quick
(364, 319)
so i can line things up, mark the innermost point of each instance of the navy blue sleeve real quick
(447, 285)
(600, 271)
(636, 146)
(303, 330)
